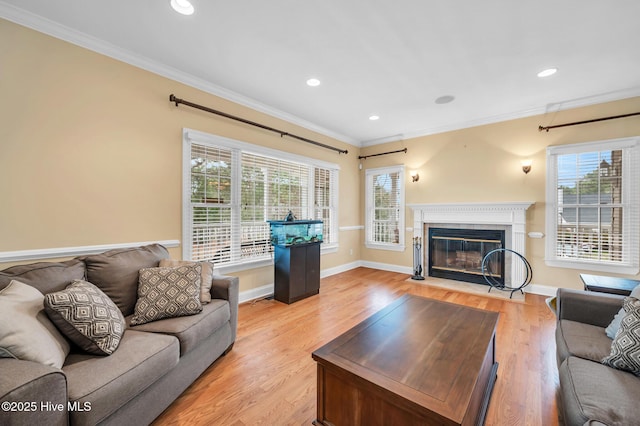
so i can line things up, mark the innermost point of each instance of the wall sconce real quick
(415, 176)
(526, 166)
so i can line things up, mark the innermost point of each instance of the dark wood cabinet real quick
(297, 272)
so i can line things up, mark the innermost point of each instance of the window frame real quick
(369, 206)
(191, 137)
(630, 206)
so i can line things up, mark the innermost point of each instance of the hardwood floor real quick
(269, 377)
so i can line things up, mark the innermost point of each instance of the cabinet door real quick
(312, 268)
(297, 273)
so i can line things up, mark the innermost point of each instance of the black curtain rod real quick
(547, 128)
(364, 157)
(282, 133)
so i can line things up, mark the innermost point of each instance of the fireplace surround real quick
(507, 216)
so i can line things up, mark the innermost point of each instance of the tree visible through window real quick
(233, 192)
(595, 203)
(385, 208)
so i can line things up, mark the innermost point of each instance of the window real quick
(385, 208)
(232, 188)
(593, 206)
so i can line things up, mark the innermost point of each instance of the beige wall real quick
(482, 164)
(91, 149)
(90, 154)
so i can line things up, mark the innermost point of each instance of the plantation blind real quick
(385, 207)
(596, 205)
(271, 187)
(231, 190)
(211, 198)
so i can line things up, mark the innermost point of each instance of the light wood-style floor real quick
(269, 377)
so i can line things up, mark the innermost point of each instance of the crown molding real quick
(62, 32)
(54, 29)
(616, 95)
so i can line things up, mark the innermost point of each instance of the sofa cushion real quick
(107, 383)
(191, 330)
(207, 276)
(25, 331)
(167, 292)
(115, 272)
(45, 276)
(625, 348)
(84, 314)
(593, 392)
(582, 340)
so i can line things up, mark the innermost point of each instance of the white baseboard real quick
(387, 267)
(542, 290)
(339, 269)
(256, 293)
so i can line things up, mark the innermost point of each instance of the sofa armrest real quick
(37, 390)
(588, 307)
(228, 288)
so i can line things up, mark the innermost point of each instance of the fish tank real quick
(294, 232)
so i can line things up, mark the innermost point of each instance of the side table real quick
(610, 285)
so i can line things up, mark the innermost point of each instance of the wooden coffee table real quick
(418, 361)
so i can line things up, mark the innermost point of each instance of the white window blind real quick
(325, 196)
(593, 214)
(234, 188)
(385, 208)
(210, 184)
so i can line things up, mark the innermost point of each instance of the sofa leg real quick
(226, 351)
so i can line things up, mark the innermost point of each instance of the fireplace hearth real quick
(457, 254)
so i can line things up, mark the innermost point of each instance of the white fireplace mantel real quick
(508, 213)
(512, 214)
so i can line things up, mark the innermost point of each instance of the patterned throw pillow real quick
(87, 316)
(207, 276)
(167, 292)
(625, 348)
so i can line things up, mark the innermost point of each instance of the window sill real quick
(589, 266)
(388, 247)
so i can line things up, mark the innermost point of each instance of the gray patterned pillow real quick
(87, 316)
(167, 292)
(625, 348)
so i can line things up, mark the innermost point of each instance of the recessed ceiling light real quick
(182, 6)
(313, 82)
(374, 117)
(445, 99)
(547, 72)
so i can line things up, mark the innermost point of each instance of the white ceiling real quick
(389, 58)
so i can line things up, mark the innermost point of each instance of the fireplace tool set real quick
(417, 259)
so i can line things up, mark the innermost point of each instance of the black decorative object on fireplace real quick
(457, 254)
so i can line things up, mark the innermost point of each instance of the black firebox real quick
(457, 254)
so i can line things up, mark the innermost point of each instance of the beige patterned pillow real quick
(207, 275)
(87, 316)
(167, 292)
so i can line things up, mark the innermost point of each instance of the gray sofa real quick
(592, 393)
(152, 366)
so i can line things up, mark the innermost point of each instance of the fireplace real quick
(509, 217)
(457, 254)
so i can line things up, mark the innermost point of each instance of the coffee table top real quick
(426, 351)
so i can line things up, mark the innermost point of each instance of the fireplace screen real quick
(457, 254)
